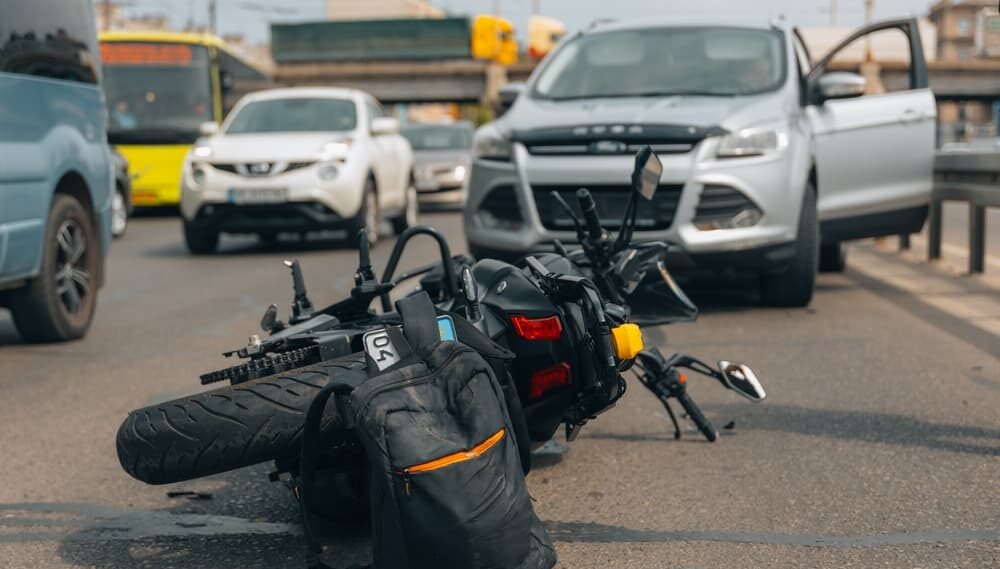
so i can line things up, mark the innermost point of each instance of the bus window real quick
(237, 79)
(156, 92)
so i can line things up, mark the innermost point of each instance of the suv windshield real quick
(295, 115)
(665, 61)
(439, 137)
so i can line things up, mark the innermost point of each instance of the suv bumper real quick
(768, 182)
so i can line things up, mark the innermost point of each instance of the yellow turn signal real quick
(627, 340)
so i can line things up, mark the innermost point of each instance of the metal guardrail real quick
(971, 177)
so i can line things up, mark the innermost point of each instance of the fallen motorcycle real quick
(571, 318)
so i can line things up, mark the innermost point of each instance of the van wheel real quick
(58, 304)
(832, 257)
(200, 241)
(794, 287)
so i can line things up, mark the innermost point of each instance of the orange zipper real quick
(448, 460)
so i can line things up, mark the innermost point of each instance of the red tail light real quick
(545, 379)
(544, 328)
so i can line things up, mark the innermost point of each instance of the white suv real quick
(770, 162)
(298, 160)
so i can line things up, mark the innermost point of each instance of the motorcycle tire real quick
(228, 428)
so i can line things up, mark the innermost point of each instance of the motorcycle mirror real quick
(647, 172)
(741, 379)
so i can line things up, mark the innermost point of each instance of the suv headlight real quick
(490, 144)
(752, 142)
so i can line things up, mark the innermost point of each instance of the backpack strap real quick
(343, 383)
(419, 321)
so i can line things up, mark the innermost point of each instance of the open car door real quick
(874, 146)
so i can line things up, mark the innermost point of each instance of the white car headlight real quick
(459, 173)
(752, 142)
(336, 149)
(490, 144)
(201, 151)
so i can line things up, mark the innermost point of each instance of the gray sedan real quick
(441, 155)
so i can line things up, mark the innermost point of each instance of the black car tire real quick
(366, 218)
(833, 257)
(409, 216)
(58, 304)
(200, 240)
(794, 286)
(228, 428)
(119, 212)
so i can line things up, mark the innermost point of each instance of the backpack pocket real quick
(486, 521)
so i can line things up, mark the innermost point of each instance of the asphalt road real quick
(878, 446)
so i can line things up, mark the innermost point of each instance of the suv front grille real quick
(614, 139)
(246, 169)
(655, 214)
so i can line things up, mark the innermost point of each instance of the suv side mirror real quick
(385, 126)
(208, 128)
(509, 93)
(841, 85)
(647, 172)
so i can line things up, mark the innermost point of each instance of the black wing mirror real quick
(647, 172)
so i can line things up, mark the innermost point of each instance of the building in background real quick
(111, 16)
(956, 26)
(890, 46)
(377, 9)
(968, 33)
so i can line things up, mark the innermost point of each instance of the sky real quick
(251, 17)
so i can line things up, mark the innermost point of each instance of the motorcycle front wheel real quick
(228, 428)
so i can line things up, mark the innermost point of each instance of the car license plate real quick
(257, 195)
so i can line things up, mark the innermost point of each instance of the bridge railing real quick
(971, 177)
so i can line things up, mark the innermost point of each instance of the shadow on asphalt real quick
(155, 212)
(245, 245)
(878, 428)
(248, 523)
(8, 334)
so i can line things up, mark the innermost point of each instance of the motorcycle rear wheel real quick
(228, 428)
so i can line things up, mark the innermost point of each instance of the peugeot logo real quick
(608, 147)
(260, 168)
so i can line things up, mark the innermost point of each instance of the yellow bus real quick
(159, 88)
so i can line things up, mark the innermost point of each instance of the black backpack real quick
(446, 481)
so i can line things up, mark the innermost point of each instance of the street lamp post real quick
(212, 16)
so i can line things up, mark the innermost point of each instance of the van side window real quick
(49, 38)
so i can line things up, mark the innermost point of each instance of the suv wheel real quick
(794, 287)
(409, 217)
(119, 212)
(199, 240)
(832, 258)
(58, 304)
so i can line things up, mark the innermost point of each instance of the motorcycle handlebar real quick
(589, 209)
(700, 421)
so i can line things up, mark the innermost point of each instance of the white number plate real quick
(258, 195)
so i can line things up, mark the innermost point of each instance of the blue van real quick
(56, 175)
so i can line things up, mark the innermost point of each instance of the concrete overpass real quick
(472, 81)
(452, 81)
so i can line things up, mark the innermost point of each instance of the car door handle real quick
(911, 116)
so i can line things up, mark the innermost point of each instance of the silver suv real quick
(770, 162)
